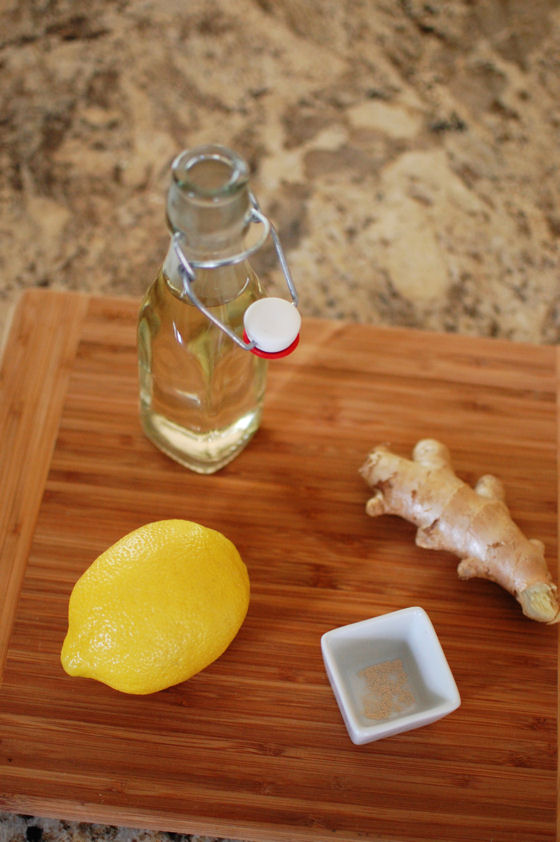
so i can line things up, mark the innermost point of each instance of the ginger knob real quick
(472, 523)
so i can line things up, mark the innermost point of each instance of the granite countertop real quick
(408, 153)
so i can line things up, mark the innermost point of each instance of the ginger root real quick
(474, 524)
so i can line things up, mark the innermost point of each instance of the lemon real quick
(156, 607)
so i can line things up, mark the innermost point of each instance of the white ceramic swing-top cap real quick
(273, 324)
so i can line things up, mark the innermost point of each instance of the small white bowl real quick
(389, 674)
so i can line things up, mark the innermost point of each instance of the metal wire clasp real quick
(188, 268)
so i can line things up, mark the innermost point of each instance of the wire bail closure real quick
(189, 266)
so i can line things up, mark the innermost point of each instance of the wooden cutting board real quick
(254, 747)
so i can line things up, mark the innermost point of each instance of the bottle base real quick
(204, 453)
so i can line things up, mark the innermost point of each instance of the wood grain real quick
(254, 746)
(29, 419)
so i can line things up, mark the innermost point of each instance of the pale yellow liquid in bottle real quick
(201, 395)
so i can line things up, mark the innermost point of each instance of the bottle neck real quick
(208, 202)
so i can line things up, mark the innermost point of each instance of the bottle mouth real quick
(210, 172)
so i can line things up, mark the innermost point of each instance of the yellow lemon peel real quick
(158, 606)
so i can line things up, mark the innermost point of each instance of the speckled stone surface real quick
(407, 151)
(16, 828)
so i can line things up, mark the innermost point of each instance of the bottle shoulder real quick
(213, 287)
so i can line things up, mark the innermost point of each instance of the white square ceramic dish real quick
(389, 674)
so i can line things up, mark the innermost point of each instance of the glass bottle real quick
(201, 394)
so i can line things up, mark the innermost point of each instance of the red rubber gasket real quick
(272, 355)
